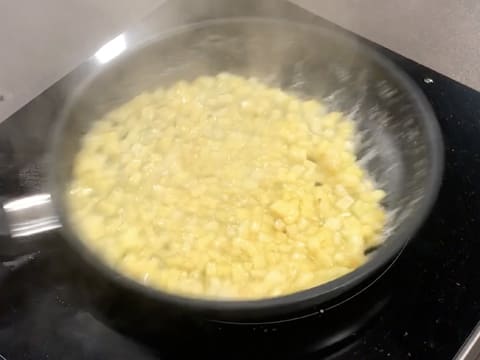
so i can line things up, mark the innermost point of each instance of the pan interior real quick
(394, 144)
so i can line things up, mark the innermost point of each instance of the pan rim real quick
(308, 297)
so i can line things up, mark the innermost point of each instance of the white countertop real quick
(44, 40)
(441, 34)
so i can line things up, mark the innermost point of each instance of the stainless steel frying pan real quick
(401, 141)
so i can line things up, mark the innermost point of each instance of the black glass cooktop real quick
(423, 307)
